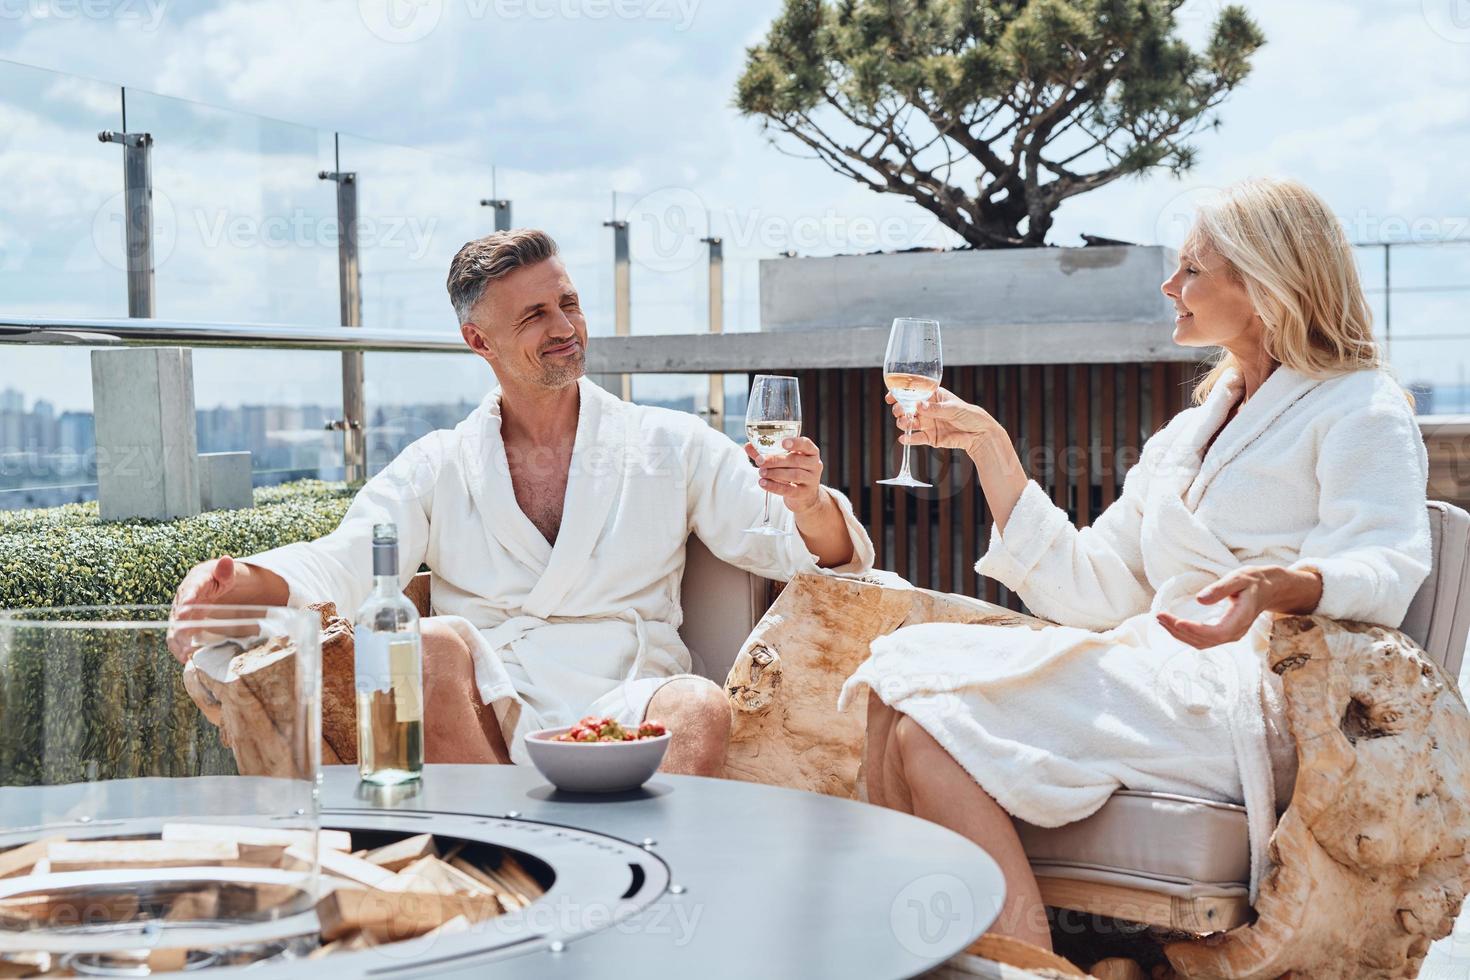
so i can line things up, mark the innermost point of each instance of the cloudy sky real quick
(586, 106)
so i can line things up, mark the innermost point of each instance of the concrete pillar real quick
(147, 448)
(225, 481)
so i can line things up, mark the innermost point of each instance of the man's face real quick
(530, 327)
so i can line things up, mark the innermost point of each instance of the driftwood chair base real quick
(1371, 859)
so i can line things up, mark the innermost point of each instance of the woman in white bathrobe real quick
(1296, 485)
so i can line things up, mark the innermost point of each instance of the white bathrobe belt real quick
(501, 638)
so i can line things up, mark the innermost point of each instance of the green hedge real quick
(105, 704)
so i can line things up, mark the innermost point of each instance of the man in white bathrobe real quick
(553, 520)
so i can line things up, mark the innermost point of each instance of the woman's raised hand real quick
(945, 421)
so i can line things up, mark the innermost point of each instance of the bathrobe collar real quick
(593, 484)
(1278, 393)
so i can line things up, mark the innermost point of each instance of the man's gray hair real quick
(485, 260)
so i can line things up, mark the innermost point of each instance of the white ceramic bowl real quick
(595, 767)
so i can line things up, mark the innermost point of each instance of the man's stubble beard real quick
(564, 375)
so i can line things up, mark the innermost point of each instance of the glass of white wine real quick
(772, 416)
(911, 370)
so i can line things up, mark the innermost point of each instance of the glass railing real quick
(245, 230)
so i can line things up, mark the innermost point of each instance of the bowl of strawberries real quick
(598, 755)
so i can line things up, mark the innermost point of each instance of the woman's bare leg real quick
(881, 720)
(918, 776)
(458, 726)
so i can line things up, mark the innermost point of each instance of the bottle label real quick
(405, 668)
(370, 656)
(392, 663)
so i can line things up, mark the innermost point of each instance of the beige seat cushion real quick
(1439, 617)
(1154, 839)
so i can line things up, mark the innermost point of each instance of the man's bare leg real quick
(458, 727)
(918, 776)
(697, 713)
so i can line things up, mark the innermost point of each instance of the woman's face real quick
(1213, 308)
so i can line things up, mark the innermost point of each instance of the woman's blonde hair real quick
(1295, 260)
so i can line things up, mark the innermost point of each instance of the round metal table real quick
(764, 881)
(687, 878)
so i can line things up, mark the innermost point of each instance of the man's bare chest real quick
(539, 478)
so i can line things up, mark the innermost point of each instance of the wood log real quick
(1371, 860)
(20, 860)
(387, 917)
(253, 697)
(101, 855)
(401, 853)
(783, 685)
(336, 840)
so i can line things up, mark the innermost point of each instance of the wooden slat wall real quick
(1078, 427)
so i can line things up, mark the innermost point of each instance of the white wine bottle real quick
(389, 673)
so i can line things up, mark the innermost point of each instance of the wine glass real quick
(772, 416)
(911, 370)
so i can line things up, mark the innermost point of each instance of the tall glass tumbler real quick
(153, 817)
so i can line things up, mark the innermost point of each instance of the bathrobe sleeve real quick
(1092, 577)
(725, 498)
(1371, 545)
(339, 566)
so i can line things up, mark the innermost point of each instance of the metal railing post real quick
(1387, 297)
(137, 217)
(502, 212)
(622, 292)
(715, 411)
(349, 287)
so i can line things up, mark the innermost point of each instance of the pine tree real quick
(991, 113)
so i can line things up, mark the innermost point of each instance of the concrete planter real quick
(1041, 286)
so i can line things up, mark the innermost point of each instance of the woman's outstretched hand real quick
(944, 421)
(1248, 592)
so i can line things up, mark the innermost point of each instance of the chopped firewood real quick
(335, 840)
(510, 894)
(433, 875)
(347, 866)
(20, 860)
(100, 855)
(507, 895)
(196, 905)
(167, 960)
(511, 870)
(389, 917)
(68, 908)
(24, 965)
(401, 853)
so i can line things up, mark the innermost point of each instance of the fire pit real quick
(685, 877)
